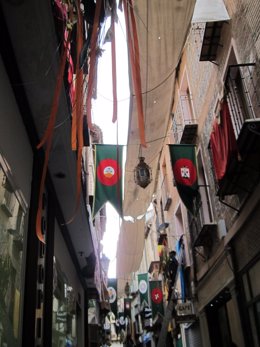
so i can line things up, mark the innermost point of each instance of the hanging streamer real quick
(79, 105)
(93, 54)
(113, 53)
(48, 134)
(135, 66)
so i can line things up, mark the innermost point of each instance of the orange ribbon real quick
(135, 67)
(92, 62)
(47, 137)
(113, 54)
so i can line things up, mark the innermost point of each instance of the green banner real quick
(143, 289)
(184, 168)
(112, 292)
(156, 297)
(108, 179)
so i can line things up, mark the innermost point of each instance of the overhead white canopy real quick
(210, 11)
(130, 248)
(162, 28)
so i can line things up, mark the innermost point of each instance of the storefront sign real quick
(184, 308)
(185, 319)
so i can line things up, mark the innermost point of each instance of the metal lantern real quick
(143, 173)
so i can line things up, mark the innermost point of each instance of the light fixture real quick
(143, 173)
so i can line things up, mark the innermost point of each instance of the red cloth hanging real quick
(223, 142)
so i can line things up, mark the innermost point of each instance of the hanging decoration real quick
(108, 181)
(48, 134)
(113, 55)
(143, 173)
(184, 168)
(135, 66)
(92, 63)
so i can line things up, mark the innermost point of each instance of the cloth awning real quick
(131, 241)
(162, 27)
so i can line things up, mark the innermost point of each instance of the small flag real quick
(184, 168)
(143, 288)
(108, 181)
(112, 292)
(156, 297)
(147, 312)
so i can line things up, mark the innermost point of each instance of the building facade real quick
(216, 108)
(45, 287)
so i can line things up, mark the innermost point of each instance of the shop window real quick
(12, 215)
(64, 320)
(251, 283)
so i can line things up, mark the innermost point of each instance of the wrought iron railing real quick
(183, 116)
(202, 215)
(242, 94)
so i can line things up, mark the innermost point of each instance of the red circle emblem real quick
(157, 295)
(108, 172)
(185, 172)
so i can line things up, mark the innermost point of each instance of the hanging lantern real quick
(143, 173)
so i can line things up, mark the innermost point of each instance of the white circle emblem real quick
(143, 287)
(112, 294)
(122, 320)
(109, 171)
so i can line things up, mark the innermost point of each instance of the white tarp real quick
(210, 11)
(162, 28)
(130, 248)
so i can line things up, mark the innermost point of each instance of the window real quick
(205, 210)
(64, 327)
(251, 283)
(184, 122)
(241, 90)
(12, 225)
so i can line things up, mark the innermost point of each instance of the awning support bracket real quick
(228, 205)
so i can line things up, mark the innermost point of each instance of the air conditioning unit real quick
(222, 229)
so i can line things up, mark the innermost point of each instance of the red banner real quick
(222, 142)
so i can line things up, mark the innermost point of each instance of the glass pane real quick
(255, 279)
(64, 311)
(12, 216)
(246, 287)
(253, 325)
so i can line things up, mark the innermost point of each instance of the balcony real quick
(166, 198)
(243, 170)
(185, 126)
(189, 133)
(211, 41)
(202, 229)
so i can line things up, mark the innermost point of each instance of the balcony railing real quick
(242, 95)
(166, 197)
(185, 124)
(243, 171)
(201, 226)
